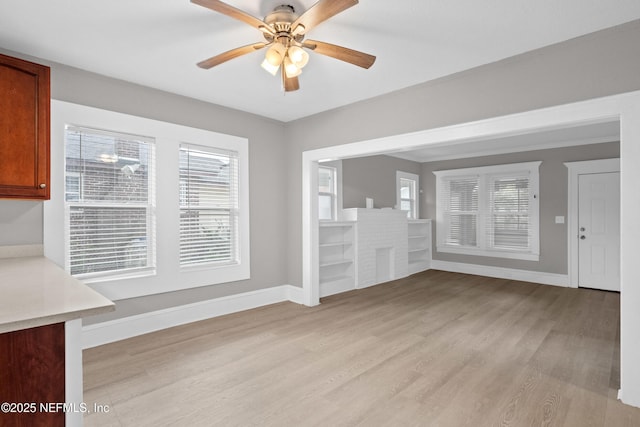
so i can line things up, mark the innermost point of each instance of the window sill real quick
(90, 278)
(208, 266)
(527, 256)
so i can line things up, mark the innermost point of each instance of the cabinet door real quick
(32, 372)
(24, 129)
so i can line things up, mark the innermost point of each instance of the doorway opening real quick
(622, 109)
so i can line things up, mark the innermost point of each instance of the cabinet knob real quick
(43, 185)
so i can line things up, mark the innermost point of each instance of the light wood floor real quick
(435, 349)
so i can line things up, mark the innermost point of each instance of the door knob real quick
(582, 237)
(582, 228)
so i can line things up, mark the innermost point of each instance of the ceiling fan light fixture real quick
(299, 30)
(298, 56)
(291, 69)
(271, 69)
(275, 54)
(284, 33)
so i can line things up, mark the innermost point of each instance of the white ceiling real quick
(157, 43)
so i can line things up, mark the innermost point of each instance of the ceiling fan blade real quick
(226, 56)
(226, 9)
(320, 12)
(351, 56)
(290, 84)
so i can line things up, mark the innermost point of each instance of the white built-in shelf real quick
(335, 278)
(330, 245)
(332, 263)
(419, 245)
(340, 242)
(418, 250)
(336, 257)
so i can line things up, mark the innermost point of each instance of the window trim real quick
(169, 276)
(485, 174)
(400, 175)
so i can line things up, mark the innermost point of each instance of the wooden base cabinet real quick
(24, 129)
(32, 374)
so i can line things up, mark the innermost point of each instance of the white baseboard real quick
(18, 251)
(503, 273)
(128, 327)
(336, 287)
(625, 399)
(294, 294)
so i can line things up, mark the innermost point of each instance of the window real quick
(327, 193)
(460, 204)
(509, 204)
(109, 202)
(136, 216)
(490, 211)
(208, 205)
(407, 190)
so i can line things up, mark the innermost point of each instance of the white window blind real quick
(327, 193)
(459, 199)
(490, 211)
(208, 205)
(509, 212)
(109, 202)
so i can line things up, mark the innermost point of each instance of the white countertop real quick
(36, 292)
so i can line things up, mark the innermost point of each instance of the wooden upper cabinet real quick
(24, 129)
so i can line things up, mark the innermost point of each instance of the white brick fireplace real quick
(381, 245)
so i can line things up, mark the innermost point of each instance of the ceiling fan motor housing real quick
(280, 20)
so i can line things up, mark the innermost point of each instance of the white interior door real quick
(599, 231)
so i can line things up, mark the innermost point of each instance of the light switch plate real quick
(559, 220)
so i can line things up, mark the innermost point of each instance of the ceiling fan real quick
(284, 32)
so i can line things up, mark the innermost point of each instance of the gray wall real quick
(553, 201)
(375, 177)
(602, 63)
(21, 222)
